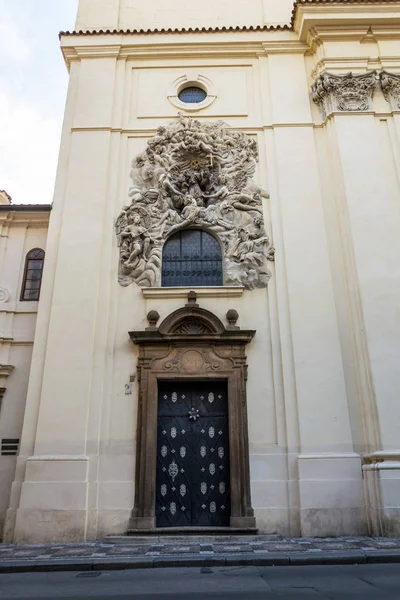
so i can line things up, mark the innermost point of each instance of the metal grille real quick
(193, 477)
(9, 447)
(192, 95)
(192, 258)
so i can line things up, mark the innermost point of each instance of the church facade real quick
(218, 331)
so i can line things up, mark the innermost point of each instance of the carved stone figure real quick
(195, 174)
(344, 92)
(391, 88)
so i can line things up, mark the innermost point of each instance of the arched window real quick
(32, 275)
(192, 258)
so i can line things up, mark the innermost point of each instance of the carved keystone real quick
(232, 316)
(153, 317)
(192, 297)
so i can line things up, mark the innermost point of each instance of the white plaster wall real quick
(135, 14)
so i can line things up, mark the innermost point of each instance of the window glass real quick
(32, 276)
(192, 258)
(192, 95)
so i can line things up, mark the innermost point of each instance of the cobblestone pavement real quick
(197, 547)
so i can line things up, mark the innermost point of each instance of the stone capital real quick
(344, 93)
(390, 83)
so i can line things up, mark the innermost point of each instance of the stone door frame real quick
(191, 344)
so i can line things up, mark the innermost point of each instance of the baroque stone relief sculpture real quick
(391, 88)
(199, 175)
(344, 92)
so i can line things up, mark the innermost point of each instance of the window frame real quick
(219, 242)
(24, 279)
(193, 87)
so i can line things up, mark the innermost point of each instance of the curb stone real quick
(268, 560)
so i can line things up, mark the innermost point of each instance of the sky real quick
(33, 87)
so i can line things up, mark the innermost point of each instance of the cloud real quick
(28, 150)
(33, 82)
(14, 45)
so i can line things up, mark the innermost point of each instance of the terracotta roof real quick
(177, 30)
(284, 27)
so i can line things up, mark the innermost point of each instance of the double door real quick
(193, 475)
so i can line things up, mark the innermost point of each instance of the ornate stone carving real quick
(344, 92)
(164, 355)
(232, 315)
(153, 317)
(391, 88)
(192, 327)
(195, 174)
(4, 294)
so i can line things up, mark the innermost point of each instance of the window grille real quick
(192, 258)
(2, 392)
(192, 95)
(9, 447)
(32, 275)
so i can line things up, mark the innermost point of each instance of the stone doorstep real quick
(190, 535)
(214, 531)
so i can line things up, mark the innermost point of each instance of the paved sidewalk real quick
(131, 553)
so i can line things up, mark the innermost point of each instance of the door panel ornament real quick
(173, 470)
(194, 414)
(190, 480)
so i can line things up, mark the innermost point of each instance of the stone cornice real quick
(38, 217)
(316, 21)
(6, 370)
(182, 292)
(129, 47)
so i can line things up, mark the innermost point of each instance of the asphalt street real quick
(352, 582)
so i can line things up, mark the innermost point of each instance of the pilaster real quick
(330, 483)
(60, 393)
(370, 191)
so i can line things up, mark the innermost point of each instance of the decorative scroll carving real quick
(4, 294)
(391, 88)
(192, 327)
(195, 174)
(344, 92)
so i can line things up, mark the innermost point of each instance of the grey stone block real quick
(17, 566)
(345, 557)
(180, 561)
(63, 564)
(121, 564)
(268, 560)
(382, 556)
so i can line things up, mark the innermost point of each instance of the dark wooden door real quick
(193, 475)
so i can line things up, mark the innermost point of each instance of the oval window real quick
(192, 95)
